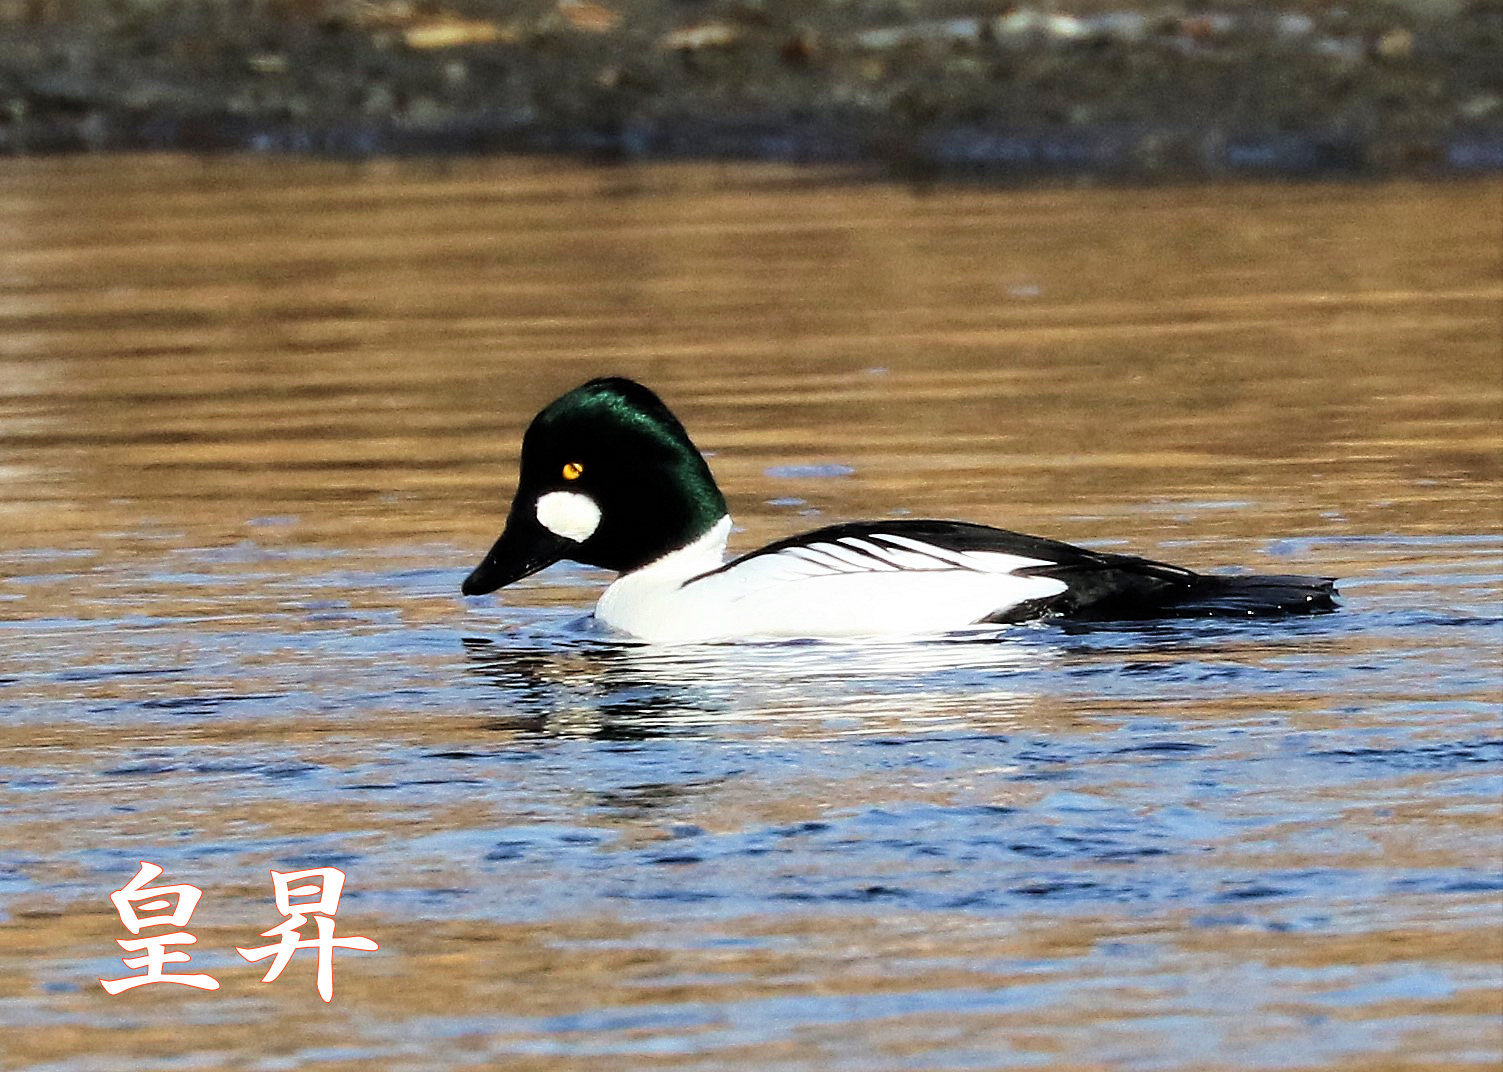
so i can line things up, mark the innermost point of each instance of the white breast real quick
(847, 588)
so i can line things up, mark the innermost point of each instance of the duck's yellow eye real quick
(573, 470)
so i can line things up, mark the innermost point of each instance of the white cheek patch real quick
(568, 514)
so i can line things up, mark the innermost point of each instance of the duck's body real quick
(610, 478)
(914, 578)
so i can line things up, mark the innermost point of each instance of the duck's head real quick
(609, 478)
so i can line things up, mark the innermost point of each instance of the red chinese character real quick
(153, 898)
(322, 909)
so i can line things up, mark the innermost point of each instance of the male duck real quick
(609, 478)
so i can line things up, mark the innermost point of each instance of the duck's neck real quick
(700, 556)
(642, 601)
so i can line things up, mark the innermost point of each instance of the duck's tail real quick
(1221, 596)
(1121, 588)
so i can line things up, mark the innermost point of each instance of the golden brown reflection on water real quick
(258, 418)
(196, 341)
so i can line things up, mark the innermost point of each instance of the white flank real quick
(857, 588)
(568, 514)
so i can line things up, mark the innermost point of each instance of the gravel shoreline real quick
(1129, 90)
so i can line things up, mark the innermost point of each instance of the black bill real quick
(521, 551)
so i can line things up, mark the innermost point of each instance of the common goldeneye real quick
(609, 478)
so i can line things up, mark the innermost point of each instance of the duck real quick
(610, 478)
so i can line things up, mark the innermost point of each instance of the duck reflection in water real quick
(592, 687)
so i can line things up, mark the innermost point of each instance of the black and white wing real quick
(965, 566)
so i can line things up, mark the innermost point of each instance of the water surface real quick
(257, 420)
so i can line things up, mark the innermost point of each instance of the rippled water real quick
(258, 420)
